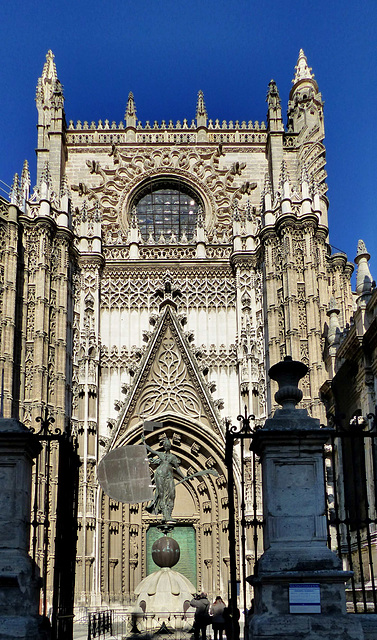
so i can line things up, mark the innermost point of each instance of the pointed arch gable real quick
(168, 383)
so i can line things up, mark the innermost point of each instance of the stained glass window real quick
(169, 208)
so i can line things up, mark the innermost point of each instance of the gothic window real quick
(167, 207)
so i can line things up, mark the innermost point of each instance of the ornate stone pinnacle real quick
(134, 218)
(200, 106)
(287, 374)
(236, 213)
(363, 276)
(273, 97)
(303, 72)
(361, 249)
(64, 188)
(46, 177)
(131, 107)
(15, 195)
(48, 83)
(25, 175)
(200, 218)
(284, 175)
(333, 307)
(304, 174)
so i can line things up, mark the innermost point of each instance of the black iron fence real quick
(120, 623)
(351, 472)
(54, 524)
(100, 624)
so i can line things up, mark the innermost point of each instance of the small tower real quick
(305, 107)
(275, 130)
(51, 123)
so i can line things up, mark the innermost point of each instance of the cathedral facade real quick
(156, 273)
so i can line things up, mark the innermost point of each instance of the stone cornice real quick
(91, 260)
(338, 261)
(245, 259)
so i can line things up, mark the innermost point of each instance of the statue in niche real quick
(164, 497)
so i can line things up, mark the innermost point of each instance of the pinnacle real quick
(15, 192)
(200, 105)
(267, 184)
(25, 181)
(304, 174)
(361, 248)
(64, 188)
(25, 175)
(303, 72)
(48, 83)
(273, 97)
(333, 306)
(46, 175)
(284, 176)
(49, 68)
(131, 107)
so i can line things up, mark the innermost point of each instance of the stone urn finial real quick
(287, 374)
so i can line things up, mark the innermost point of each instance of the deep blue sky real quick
(166, 50)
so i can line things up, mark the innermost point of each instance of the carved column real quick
(88, 362)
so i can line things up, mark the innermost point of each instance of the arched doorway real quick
(200, 511)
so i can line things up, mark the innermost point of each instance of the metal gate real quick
(54, 524)
(246, 506)
(350, 463)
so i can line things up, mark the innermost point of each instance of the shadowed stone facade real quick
(109, 316)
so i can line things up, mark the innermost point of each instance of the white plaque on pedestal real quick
(304, 598)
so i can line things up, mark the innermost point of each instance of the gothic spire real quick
(25, 182)
(15, 192)
(201, 111)
(48, 84)
(302, 71)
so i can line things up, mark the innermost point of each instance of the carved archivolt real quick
(201, 170)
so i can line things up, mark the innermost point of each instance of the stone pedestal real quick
(19, 589)
(295, 537)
